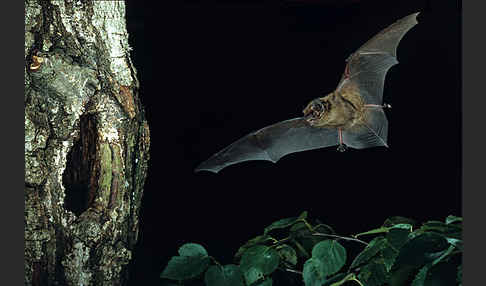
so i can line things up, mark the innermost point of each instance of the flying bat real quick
(350, 116)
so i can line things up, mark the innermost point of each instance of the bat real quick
(350, 116)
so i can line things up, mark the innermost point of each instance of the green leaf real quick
(288, 254)
(375, 246)
(324, 228)
(224, 276)
(299, 229)
(257, 261)
(439, 272)
(192, 249)
(374, 273)
(193, 260)
(452, 219)
(389, 222)
(397, 237)
(261, 239)
(389, 254)
(421, 249)
(374, 231)
(449, 230)
(402, 275)
(252, 275)
(456, 242)
(446, 227)
(313, 272)
(331, 254)
(303, 215)
(284, 223)
(421, 276)
(185, 267)
(443, 273)
(405, 226)
(443, 255)
(385, 229)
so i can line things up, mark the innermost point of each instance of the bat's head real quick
(315, 110)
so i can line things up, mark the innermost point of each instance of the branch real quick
(340, 237)
(293, 271)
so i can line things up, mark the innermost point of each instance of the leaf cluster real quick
(396, 255)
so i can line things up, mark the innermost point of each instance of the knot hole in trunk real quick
(80, 178)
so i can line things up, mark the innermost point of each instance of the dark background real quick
(211, 73)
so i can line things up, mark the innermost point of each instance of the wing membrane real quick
(367, 67)
(272, 143)
(372, 132)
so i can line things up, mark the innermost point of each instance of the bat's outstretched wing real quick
(272, 143)
(367, 67)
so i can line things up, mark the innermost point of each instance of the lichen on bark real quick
(86, 144)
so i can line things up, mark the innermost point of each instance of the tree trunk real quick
(86, 144)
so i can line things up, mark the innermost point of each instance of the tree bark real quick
(86, 144)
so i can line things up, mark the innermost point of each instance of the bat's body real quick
(352, 115)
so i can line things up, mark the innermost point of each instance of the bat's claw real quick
(386, 105)
(342, 148)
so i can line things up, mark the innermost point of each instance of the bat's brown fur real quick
(345, 109)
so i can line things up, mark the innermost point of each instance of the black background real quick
(211, 73)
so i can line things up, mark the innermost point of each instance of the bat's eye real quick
(317, 106)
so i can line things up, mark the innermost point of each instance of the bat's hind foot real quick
(342, 148)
